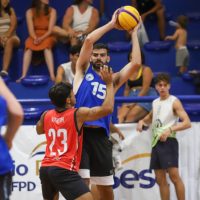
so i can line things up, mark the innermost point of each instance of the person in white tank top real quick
(80, 19)
(164, 117)
(66, 71)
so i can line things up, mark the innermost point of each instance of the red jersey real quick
(64, 142)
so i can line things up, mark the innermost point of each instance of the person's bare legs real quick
(49, 61)
(135, 114)
(178, 183)
(106, 192)
(56, 197)
(162, 183)
(58, 31)
(61, 34)
(121, 113)
(8, 51)
(26, 63)
(95, 192)
(73, 41)
(161, 22)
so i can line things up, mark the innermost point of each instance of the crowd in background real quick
(80, 19)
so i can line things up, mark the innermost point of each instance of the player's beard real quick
(97, 65)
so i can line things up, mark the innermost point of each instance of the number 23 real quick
(60, 133)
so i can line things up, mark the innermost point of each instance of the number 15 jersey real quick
(64, 141)
(91, 93)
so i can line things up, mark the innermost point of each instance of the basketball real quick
(128, 17)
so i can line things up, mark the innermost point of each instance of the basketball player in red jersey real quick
(63, 129)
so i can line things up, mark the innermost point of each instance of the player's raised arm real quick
(86, 50)
(121, 77)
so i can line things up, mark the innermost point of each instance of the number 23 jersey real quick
(91, 93)
(64, 141)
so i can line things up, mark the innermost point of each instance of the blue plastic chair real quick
(194, 45)
(6, 79)
(35, 80)
(158, 45)
(32, 113)
(194, 16)
(119, 46)
(187, 77)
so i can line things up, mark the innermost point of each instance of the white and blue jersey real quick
(6, 164)
(92, 92)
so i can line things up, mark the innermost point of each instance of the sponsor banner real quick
(133, 181)
(27, 153)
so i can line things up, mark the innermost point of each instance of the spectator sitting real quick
(147, 7)
(41, 20)
(139, 84)
(80, 19)
(8, 38)
(180, 35)
(66, 71)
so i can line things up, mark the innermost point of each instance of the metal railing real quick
(191, 104)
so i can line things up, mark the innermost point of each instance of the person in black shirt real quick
(148, 7)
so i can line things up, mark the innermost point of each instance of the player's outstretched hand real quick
(106, 74)
(114, 20)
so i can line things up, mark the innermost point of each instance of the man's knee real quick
(161, 180)
(174, 177)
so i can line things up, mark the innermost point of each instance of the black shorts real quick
(165, 154)
(97, 152)
(69, 183)
(5, 186)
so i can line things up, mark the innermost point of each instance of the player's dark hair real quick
(162, 77)
(101, 46)
(76, 2)
(7, 9)
(37, 5)
(58, 94)
(75, 49)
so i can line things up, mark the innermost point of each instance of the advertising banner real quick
(133, 180)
